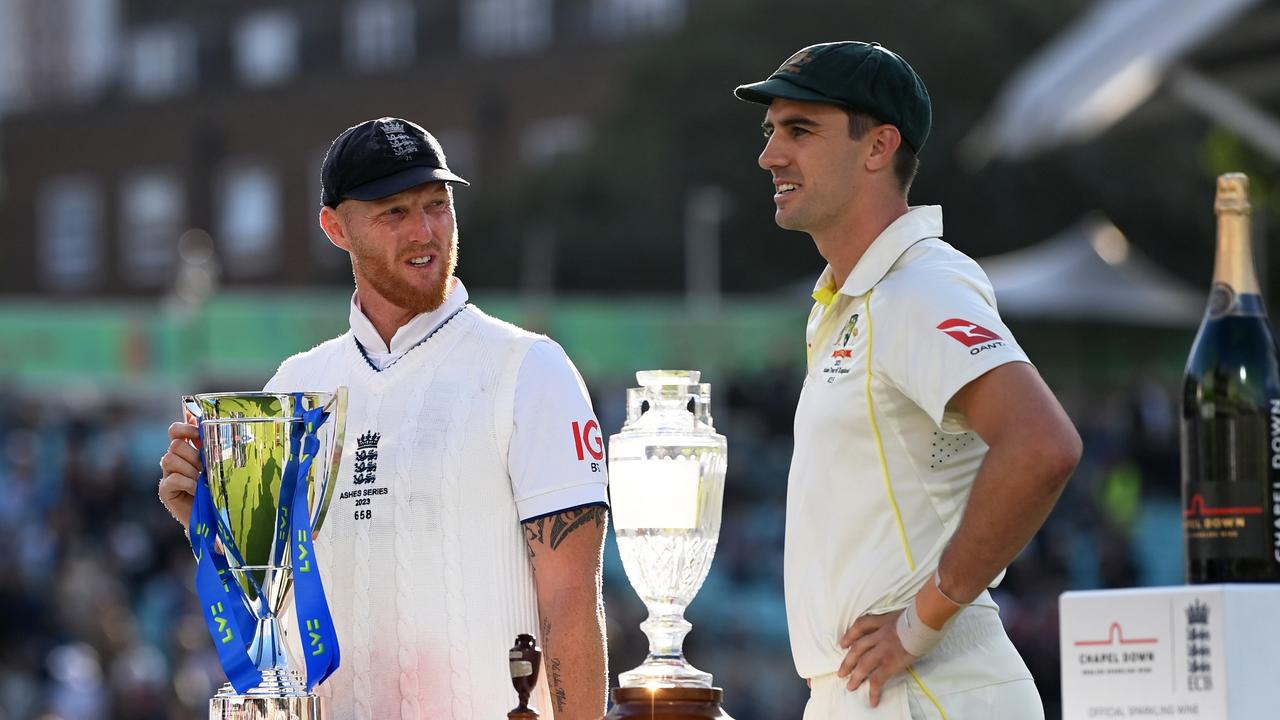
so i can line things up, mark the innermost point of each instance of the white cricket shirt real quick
(882, 469)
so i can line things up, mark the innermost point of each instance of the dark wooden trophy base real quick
(668, 703)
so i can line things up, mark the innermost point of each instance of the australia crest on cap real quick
(796, 63)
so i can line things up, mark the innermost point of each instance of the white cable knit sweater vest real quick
(422, 553)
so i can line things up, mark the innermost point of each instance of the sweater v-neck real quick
(443, 329)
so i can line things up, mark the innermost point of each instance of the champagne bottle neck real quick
(1233, 263)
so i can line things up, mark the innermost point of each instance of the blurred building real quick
(128, 124)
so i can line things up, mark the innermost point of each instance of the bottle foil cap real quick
(1233, 194)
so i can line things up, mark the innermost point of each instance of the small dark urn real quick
(525, 659)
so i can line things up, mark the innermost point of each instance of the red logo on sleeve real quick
(588, 437)
(966, 332)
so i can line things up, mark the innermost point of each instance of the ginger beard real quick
(391, 279)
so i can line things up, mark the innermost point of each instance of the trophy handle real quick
(191, 409)
(337, 409)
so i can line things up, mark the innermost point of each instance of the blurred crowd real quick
(99, 618)
(98, 613)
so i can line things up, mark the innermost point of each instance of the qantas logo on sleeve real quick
(966, 332)
(971, 335)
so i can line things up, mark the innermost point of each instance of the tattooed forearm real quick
(570, 614)
(562, 525)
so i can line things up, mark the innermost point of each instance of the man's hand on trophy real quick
(179, 468)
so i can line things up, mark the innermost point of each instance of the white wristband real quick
(916, 637)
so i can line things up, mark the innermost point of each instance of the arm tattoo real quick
(553, 675)
(533, 531)
(566, 522)
(557, 686)
(562, 525)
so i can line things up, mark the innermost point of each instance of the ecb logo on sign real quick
(1199, 669)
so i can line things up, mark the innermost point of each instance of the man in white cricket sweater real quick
(478, 441)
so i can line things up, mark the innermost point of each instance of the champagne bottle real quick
(1231, 416)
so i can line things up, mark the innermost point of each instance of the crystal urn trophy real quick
(269, 465)
(666, 484)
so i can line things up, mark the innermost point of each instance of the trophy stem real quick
(666, 628)
(268, 650)
(665, 666)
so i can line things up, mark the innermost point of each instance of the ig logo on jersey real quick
(587, 440)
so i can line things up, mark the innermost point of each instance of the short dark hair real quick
(905, 161)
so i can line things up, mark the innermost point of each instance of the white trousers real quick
(975, 674)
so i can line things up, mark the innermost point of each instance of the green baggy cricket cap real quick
(866, 77)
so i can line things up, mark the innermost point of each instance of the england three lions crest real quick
(366, 465)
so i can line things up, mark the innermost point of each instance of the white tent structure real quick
(1090, 273)
(1218, 58)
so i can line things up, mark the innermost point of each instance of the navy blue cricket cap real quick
(866, 77)
(379, 158)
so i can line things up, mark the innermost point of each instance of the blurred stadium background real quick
(158, 192)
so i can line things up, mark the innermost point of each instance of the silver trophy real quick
(666, 483)
(246, 446)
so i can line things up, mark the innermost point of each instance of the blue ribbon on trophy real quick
(227, 612)
(319, 639)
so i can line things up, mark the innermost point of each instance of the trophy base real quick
(667, 703)
(665, 672)
(264, 707)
